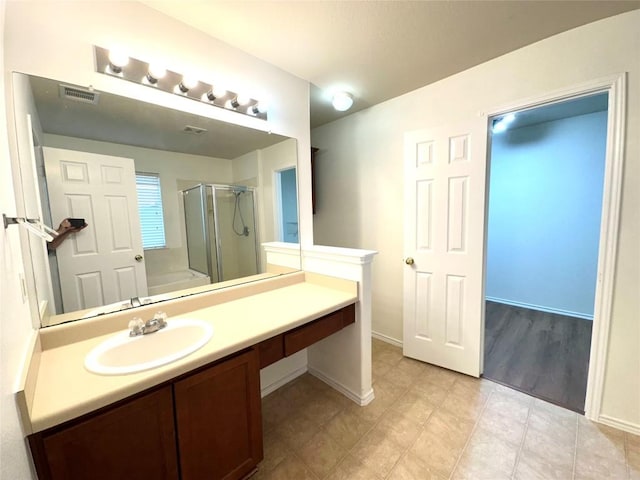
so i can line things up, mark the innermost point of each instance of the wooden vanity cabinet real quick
(133, 439)
(204, 425)
(219, 422)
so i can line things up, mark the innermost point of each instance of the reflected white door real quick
(97, 265)
(444, 241)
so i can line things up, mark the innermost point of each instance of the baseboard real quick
(387, 339)
(282, 381)
(362, 401)
(619, 424)
(540, 308)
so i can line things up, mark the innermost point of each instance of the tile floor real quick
(430, 423)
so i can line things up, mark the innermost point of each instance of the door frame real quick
(615, 86)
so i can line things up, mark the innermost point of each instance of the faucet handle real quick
(136, 327)
(161, 318)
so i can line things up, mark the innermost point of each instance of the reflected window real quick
(150, 210)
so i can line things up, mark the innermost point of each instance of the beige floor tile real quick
(378, 452)
(590, 466)
(321, 453)
(440, 376)
(437, 454)
(452, 430)
(389, 355)
(399, 428)
(501, 426)
(411, 467)
(275, 409)
(560, 425)
(470, 469)
(414, 406)
(633, 455)
(275, 451)
(321, 408)
(291, 468)
(411, 366)
(379, 369)
(514, 393)
(399, 377)
(598, 439)
(486, 456)
(533, 467)
(558, 452)
(468, 406)
(296, 430)
(347, 427)
(514, 407)
(351, 469)
(433, 393)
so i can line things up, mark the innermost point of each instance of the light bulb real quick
(117, 60)
(156, 72)
(509, 118)
(243, 99)
(219, 91)
(260, 107)
(342, 101)
(187, 83)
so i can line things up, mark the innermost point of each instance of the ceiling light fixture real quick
(115, 63)
(342, 101)
(501, 124)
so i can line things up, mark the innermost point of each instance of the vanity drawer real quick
(308, 334)
(271, 350)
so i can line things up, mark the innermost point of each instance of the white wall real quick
(545, 201)
(15, 323)
(360, 185)
(55, 40)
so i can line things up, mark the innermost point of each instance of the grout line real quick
(473, 430)
(575, 448)
(524, 437)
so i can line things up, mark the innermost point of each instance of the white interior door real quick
(444, 241)
(97, 265)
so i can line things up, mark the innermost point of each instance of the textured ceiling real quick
(381, 49)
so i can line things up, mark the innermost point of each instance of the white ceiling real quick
(381, 49)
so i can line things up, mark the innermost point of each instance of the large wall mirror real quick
(174, 204)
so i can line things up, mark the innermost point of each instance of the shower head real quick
(237, 189)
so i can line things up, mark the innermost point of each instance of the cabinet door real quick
(219, 420)
(134, 440)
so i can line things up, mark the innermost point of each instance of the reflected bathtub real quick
(171, 281)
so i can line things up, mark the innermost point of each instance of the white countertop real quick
(64, 389)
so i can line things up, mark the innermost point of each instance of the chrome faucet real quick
(138, 327)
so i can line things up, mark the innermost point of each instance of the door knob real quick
(138, 258)
(409, 261)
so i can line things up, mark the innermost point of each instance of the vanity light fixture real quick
(342, 101)
(117, 64)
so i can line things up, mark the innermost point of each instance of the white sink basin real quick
(122, 354)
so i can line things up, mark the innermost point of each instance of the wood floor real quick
(542, 354)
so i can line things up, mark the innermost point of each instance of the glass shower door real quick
(235, 227)
(195, 208)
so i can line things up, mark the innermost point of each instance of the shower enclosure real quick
(220, 223)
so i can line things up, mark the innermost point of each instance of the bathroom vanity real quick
(197, 417)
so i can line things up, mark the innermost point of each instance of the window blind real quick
(150, 210)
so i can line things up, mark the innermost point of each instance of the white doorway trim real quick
(615, 86)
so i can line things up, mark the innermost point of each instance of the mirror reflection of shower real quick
(220, 223)
(243, 230)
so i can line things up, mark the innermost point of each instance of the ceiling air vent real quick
(193, 130)
(78, 94)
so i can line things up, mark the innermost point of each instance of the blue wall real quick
(289, 197)
(545, 203)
